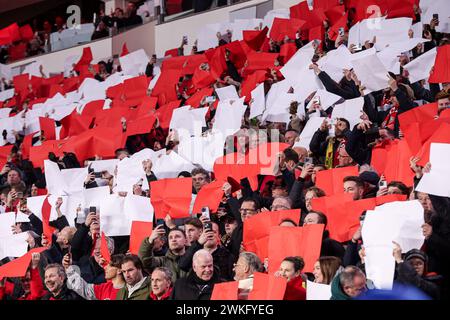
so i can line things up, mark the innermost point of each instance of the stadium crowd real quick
(235, 228)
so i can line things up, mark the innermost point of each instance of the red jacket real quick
(36, 288)
(105, 291)
(164, 297)
(295, 290)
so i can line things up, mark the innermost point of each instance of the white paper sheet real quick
(92, 89)
(129, 173)
(55, 182)
(299, 62)
(436, 181)
(104, 165)
(327, 99)
(371, 72)
(335, 62)
(137, 208)
(202, 151)
(33, 69)
(420, 67)
(311, 127)
(227, 93)
(113, 221)
(134, 63)
(259, 101)
(7, 220)
(405, 221)
(5, 72)
(4, 113)
(74, 179)
(21, 217)
(93, 197)
(6, 94)
(14, 246)
(350, 110)
(228, 118)
(279, 110)
(188, 121)
(169, 166)
(317, 291)
(380, 266)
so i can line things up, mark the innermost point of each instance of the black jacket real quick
(65, 294)
(222, 258)
(331, 247)
(319, 145)
(407, 275)
(194, 288)
(81, 243)
(345, 89)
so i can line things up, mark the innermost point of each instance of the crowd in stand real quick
(185, 258)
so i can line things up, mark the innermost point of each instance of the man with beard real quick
(326, 148)
(55, 281)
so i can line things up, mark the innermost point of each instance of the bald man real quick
(302, 153)
(199, 283)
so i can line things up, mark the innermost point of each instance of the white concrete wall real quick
(169, 35)
(54, 62)
(281, 4)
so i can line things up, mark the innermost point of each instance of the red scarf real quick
(165, 296)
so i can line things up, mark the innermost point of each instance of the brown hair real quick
(319, 192)
(329, 267)
(442, 95)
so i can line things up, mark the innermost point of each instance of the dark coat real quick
(65, 294)
(331, 247)
(194, 288)
(407, 275)
(222, 258)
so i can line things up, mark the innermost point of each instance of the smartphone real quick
(67, 250)
(316, 100)
(93, 209)
(317, 42)
(341, 32)
(19, 195)
(210, 99)
(98, 175)
(159, 222)
(116, 56)
(382, 184)
(308, 160)
(207, 226)
(205, 213)
(436, 16)
(185, 40)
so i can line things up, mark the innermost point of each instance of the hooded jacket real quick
(337, 293)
